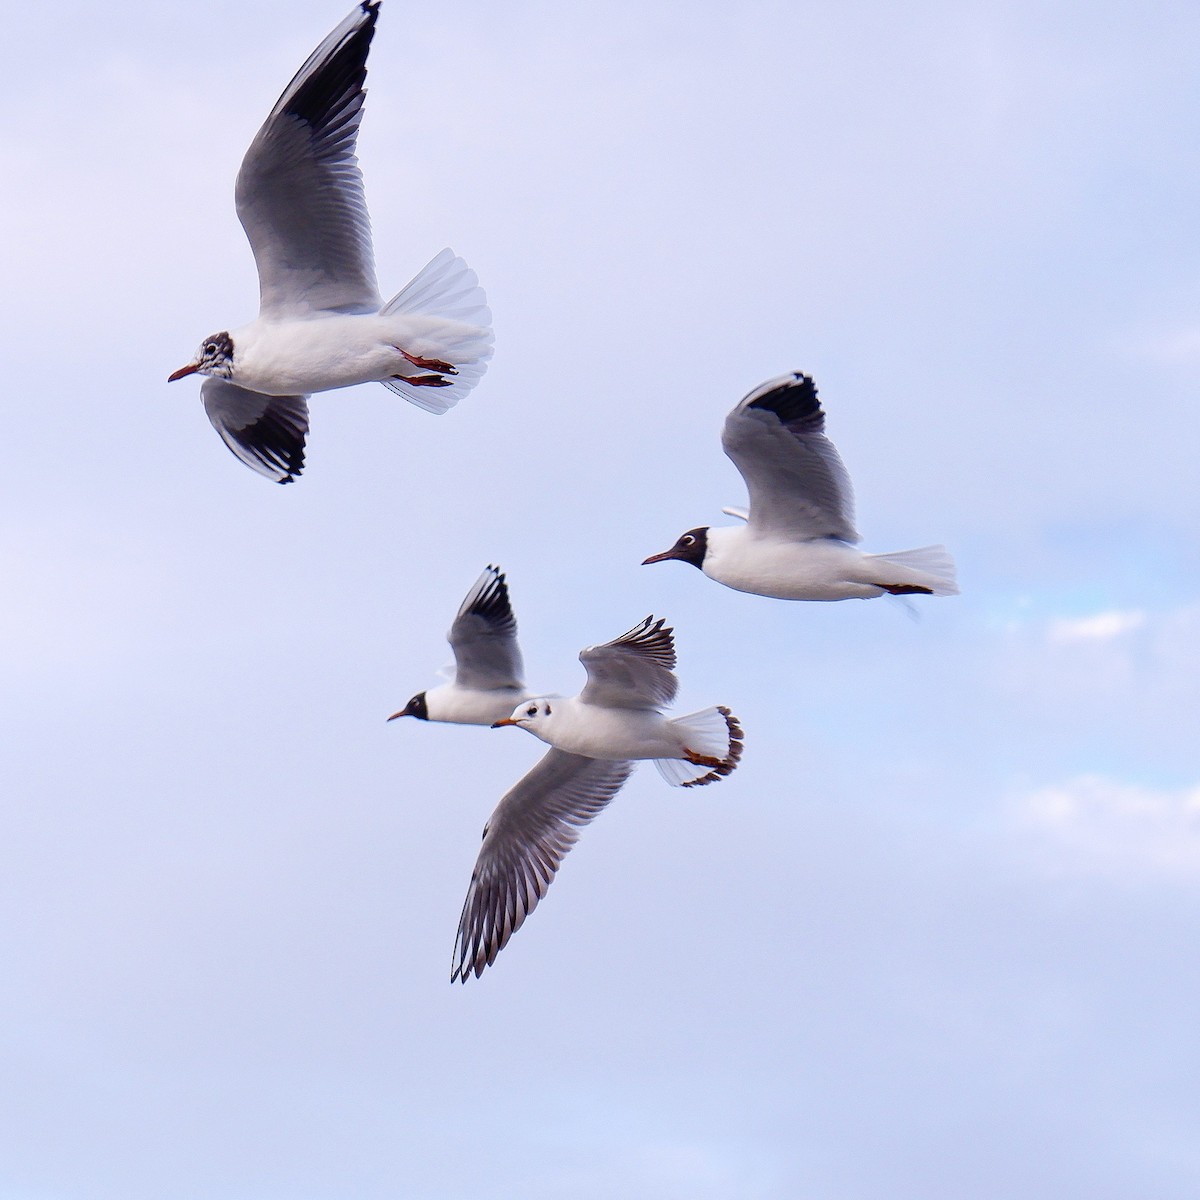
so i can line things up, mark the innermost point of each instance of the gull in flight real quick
(322, 323)
(487, 681)
(595, 739)
(797, 543)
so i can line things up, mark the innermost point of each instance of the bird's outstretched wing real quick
(484, 636)
(798, 486)
(266, 432)
(635, 670)
(299, 191)
(524, 842)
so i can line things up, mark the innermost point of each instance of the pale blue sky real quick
(934, 939)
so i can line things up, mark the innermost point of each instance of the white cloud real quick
(1099, 627)
(1097, 822)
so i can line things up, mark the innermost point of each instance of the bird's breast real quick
(317, 354)
(816, 569)
(609, 733)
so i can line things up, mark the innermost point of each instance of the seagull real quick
(487, 661)
(797, 543)
(322, 323)
(595, 739)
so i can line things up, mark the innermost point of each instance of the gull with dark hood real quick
(595, 739)
(487, 681)
(322, 323)
(798, 539)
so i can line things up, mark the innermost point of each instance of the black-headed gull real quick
(322, 323)
(595, 738)
(796, 543)
(487, 681)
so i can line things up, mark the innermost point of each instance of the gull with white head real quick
(322, 323)
(487, 681)
(595, 739)
(797, 543)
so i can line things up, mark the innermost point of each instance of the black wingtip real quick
(275, 443)
(491, 601)
(337, 83)
(792, 398)
(652, 637)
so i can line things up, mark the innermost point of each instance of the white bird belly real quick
(284, 358)
(468, 706)
(611, 733)
(820, 569)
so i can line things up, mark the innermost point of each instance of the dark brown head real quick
(416, 707)
(691, 548)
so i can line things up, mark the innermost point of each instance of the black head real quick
(691, 548)
(416, 707)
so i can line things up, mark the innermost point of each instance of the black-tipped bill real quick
(190, 369)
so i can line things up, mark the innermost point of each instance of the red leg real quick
(425, 380)
(429, 364)
(906, 589)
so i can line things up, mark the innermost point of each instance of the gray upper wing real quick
(526, 839)
(266, 432)
(484, 636)
(299, 191)
(635, 670)
(798, 486)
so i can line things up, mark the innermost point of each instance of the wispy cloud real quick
(1113, 824)
(1098, 627)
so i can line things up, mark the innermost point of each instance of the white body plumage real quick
(327, 351)
(596, 731)
(819, 569)
(457, 705)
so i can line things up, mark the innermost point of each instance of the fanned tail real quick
(450, 316)
(714, 736)
(929, 569)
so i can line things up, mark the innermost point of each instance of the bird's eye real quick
(687, 540)
(210, 347)
(531, 711)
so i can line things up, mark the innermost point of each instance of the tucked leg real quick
(425, 380)
(905, 589)
(429, 364)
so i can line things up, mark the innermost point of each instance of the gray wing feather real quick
(300, 193)
(527, 837)
(484, 636)
(798, 486)
(266, 432)
(635, 670)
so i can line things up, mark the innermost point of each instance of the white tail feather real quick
(446, 297)
(929, 567)
(713, 734)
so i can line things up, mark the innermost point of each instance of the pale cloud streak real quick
(1093, 822)
(1101, 627)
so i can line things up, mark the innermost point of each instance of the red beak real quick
(190, 369)
(663, 557)
(506, 721)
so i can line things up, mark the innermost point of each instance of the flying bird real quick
(595, 739)
(322, 323)
(487, 682)
(797, 542)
